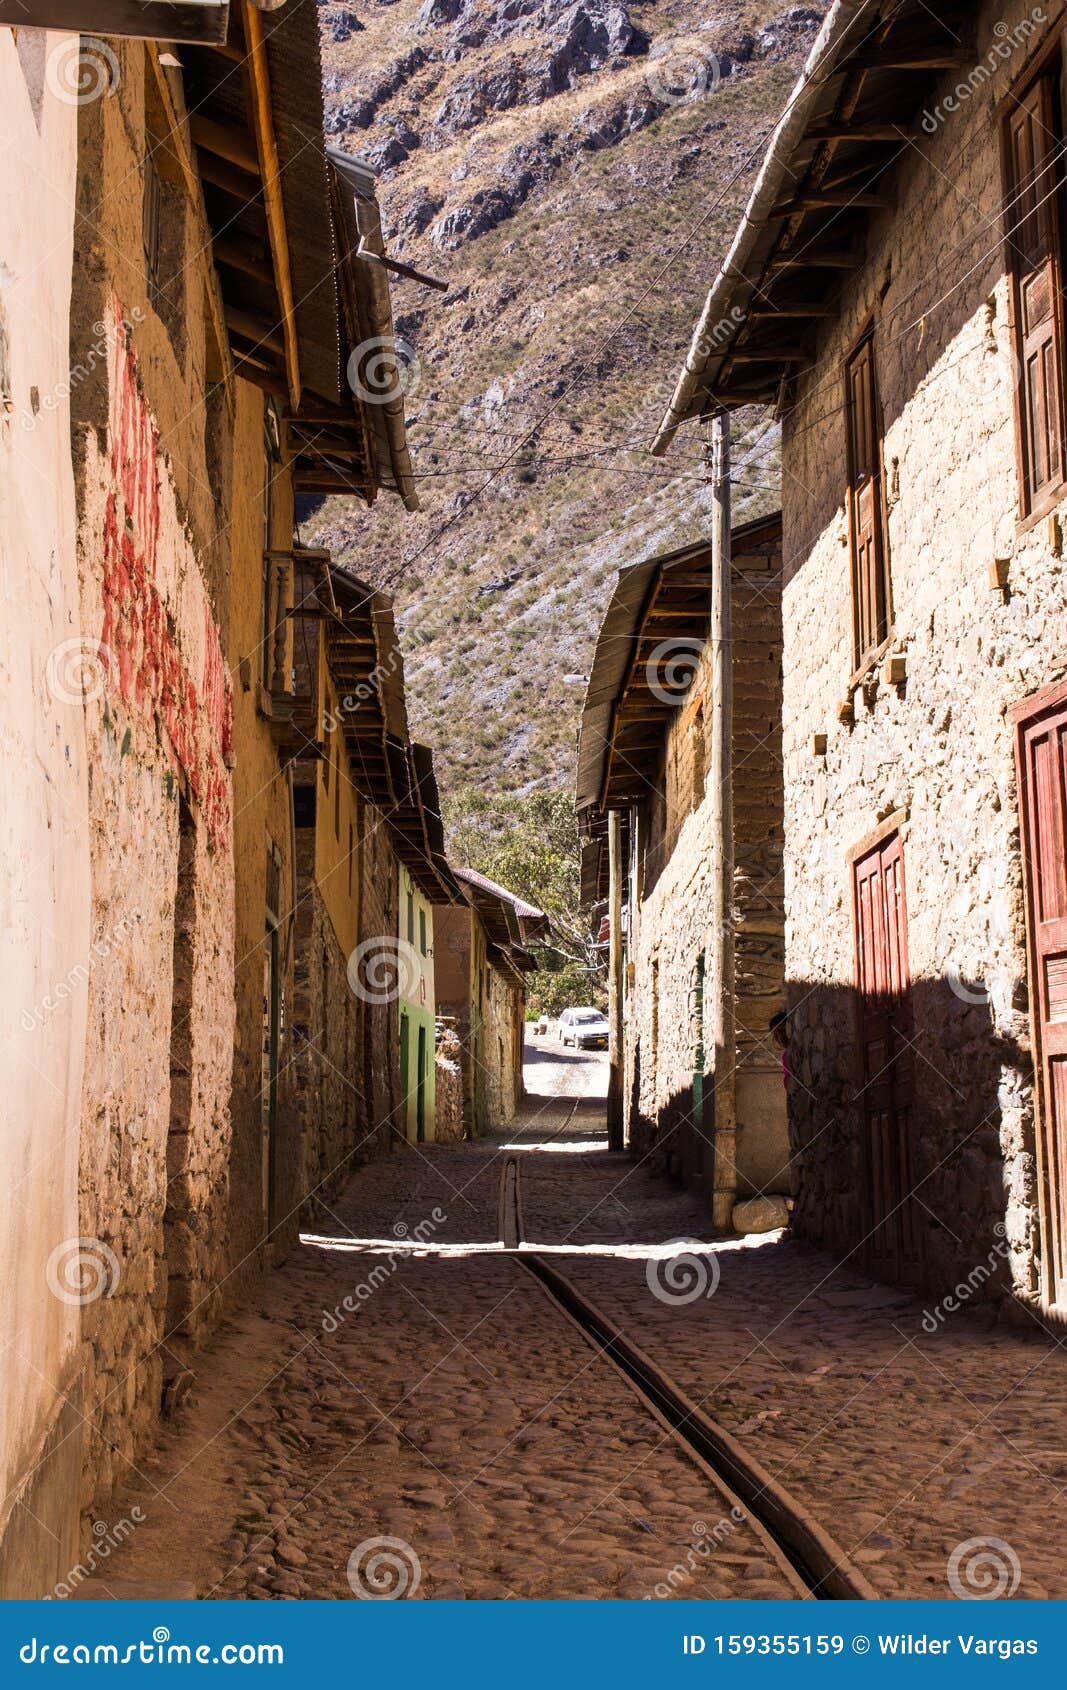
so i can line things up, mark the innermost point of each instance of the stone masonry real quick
(672, 949)
(935, 750)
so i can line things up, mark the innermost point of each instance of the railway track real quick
(816, 1566)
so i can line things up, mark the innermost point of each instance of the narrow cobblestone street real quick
(402, 1379)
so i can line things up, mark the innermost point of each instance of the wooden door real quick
(886, 1064)
(1042, 754)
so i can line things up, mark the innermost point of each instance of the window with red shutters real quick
(871, 606)
(1034, 177)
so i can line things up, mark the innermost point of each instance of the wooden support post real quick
(724, 1039)
(616, 1127)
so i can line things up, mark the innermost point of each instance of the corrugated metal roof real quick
(527, 912)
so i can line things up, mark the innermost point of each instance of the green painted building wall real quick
(417, 1008)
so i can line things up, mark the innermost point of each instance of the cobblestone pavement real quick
(449, 1406)
(906, 1429)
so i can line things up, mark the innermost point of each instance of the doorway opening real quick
(885, 1059)
(420, 1092)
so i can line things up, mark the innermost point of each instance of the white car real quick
(585, 1029)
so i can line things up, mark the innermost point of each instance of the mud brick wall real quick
(346, 1045)
(939, 748)
(330, 1097)
(152, 509)
(263, 828)
(677, 855)
(46, 946)
(500, 1049)
(450, 1116)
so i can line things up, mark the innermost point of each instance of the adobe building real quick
(416, 1005)
(370, 868)
(203, 321)
(46, 941)
(652, 699)
(482, 958)
(916, 363)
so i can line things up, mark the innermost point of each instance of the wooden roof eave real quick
(774, 236)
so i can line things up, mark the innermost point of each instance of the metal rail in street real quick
(813, 1562)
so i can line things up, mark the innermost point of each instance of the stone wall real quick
(449, 1121)
(937, 749)
(152, 552)
(673, 947)
(345, 1039)
(500, 1045)
(47, 951)
(266, 1166)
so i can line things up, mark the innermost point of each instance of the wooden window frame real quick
(1049, 68)
(865, 650)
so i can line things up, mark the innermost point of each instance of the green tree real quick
(529, 843)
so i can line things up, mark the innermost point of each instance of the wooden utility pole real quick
(616, 1132)
(723, 1028)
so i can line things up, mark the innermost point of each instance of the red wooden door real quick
(886, 1066)
(1042, 749)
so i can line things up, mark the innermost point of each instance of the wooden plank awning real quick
(390, 771)
(849, 119)
(254, 118)
(180, 21)
(650, 643)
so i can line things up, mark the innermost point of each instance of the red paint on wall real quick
(142, 641)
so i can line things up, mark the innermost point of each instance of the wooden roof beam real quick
(857, 132)
(817, 261)
(251, 326)
(770, 312)
(270, 172)
(224, 141)
(237, 255)
(911, 58)
(842, 200)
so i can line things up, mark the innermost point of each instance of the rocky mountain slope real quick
(575, 169)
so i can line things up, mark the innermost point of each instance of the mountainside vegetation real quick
(575, 170)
